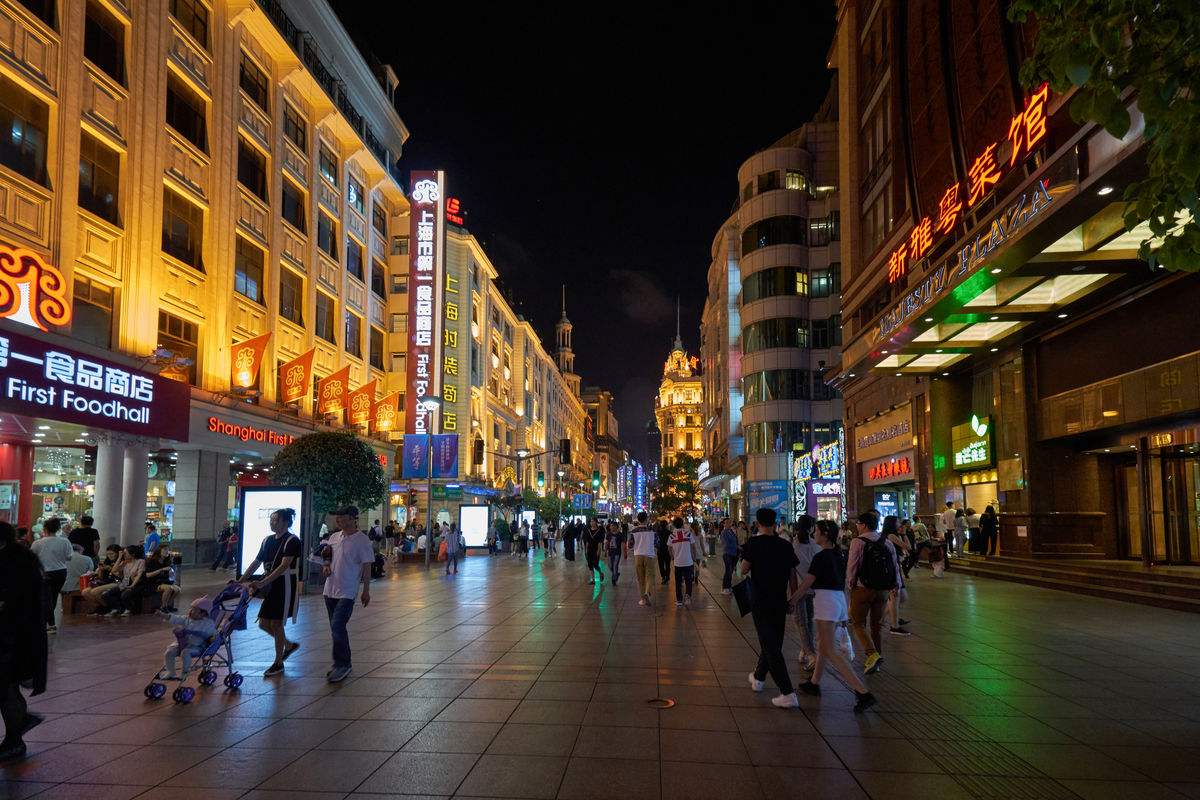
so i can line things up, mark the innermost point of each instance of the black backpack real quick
(877, 570)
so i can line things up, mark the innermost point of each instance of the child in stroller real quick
(203, 633)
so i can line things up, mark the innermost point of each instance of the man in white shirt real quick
(945, 525)
(641, 544)
(54, 552)
(683, 546)
(348, 558)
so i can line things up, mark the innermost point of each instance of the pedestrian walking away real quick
(805, 548)
(826, 578)
(729, 550)
(347, 557)
(770, 561)
(641, 542)
(453, 549)
(224, 556)
(945, 526)
(872, 572)
(989, 528)
(686, 553)
(280, 556)
(593, 540)
(54, 553)
(23, 647)
(891, 531)
(615, 544)
(662, 533)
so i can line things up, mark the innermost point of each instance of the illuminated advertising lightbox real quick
(39, 379)
(473, 522)
(530, 518)
(972, 444)
(258, 503)
(427, 256)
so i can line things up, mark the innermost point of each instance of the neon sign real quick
(249, 433)
(454, 212)
(1025, 132)
(892, 468)
(972, 444)
(425, 276)
(31, 291)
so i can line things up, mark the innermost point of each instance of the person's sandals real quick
(290, 648)
(274, 669)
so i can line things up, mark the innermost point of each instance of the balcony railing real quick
(306, 48)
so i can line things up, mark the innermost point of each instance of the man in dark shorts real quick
(279, 555)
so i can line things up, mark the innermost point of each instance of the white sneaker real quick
(786, 701)
(679, 604)
(727, 591)
(755, 683)
(642, 601)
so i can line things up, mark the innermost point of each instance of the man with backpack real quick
(872, 574)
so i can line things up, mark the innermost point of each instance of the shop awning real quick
(714, 482)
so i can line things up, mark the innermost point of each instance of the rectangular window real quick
(377, 282)
(399, 284)
(295, 128)
(92, 315)
(354, 258)
(354, 196)
(794, 180)
(827, 282)
(254, 83)
(104, 41)
(324, 321)
(354, 334)
(185, 113)
(193, 17)
(398, 365)
(181, 338)
(399, 245)
(376, 352)
(252, 169)
(183, 230)
(768, 181)
(291, 296)
(42, 9)
(24, 121)
(248, 270)
(293, 206)
(327, 238)
(99, 178)
(327, 164)
(399, 323)
(747, 192)
(379, 219)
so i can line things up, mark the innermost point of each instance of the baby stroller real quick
(229, 610)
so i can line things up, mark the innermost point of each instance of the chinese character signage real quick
(245, 358)
(43, 380)
(295, 377)
(32, 292)
(425, 275)
(1026, 131)
(769, 494)
(972, 444)
(445, 455)
(416, 455)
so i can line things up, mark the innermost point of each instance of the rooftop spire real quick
(564, 301)
(678, 338)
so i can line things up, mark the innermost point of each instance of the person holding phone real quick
(348, 557)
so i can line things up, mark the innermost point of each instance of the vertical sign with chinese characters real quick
(425, 277)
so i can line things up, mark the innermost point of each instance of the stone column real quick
(133, 492)
(201, 497)
(110, 471)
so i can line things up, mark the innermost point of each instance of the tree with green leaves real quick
(1107, 48)
(338, 467)
(677, 488)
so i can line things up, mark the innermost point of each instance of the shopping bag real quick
(741, 593)
(843, 641)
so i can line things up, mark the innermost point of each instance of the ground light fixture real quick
(1104, 190)
(1062, 316)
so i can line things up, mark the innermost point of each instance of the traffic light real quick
(541, 479)
(564, 451)
(595, 479)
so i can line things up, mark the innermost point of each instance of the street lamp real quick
(561, 495)
(430, 405)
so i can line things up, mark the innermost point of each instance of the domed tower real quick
(678, 406)
(565, 356)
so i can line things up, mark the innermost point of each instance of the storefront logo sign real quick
(40, 380)
(249, 433)
(892, 468)
(826, 488)
(973, 255)
(32, 292)
(425, 276)
(972, 444)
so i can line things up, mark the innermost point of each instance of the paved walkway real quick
(518, 680)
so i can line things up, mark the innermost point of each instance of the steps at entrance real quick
(1163, 588)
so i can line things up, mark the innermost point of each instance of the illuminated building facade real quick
(608, 456)
(215, 181)
(1001, 337)
(679, 405)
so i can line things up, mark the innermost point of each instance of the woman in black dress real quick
(279, 555)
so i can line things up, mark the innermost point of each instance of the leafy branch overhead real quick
(677, 490)
(1105, 47)
(340, 469)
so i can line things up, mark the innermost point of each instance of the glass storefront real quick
(1174, 494)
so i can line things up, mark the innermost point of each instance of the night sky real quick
(599, 153)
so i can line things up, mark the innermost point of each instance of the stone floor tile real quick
(146, 766)
(789, 750)
(552, 712)
(236, 768)
(605, 778)
(420, 773)
(478, 710)
(517, 739)
(1075, 761)
(505, 776)
(327, 770)
(453, 737)
(690, 781)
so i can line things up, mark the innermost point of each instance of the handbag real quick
(741, 594)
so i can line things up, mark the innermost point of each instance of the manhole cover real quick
(662, 702)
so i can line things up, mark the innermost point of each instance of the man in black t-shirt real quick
(86, 537)
(279, 555)
(770, 561)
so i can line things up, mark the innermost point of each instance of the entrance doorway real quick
(1174, 505)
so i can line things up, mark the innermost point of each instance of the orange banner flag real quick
(331, 391)
(387, 412)
(359, 403)
(244, 360)
(296, 377)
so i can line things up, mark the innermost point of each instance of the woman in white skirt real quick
(827, 578)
